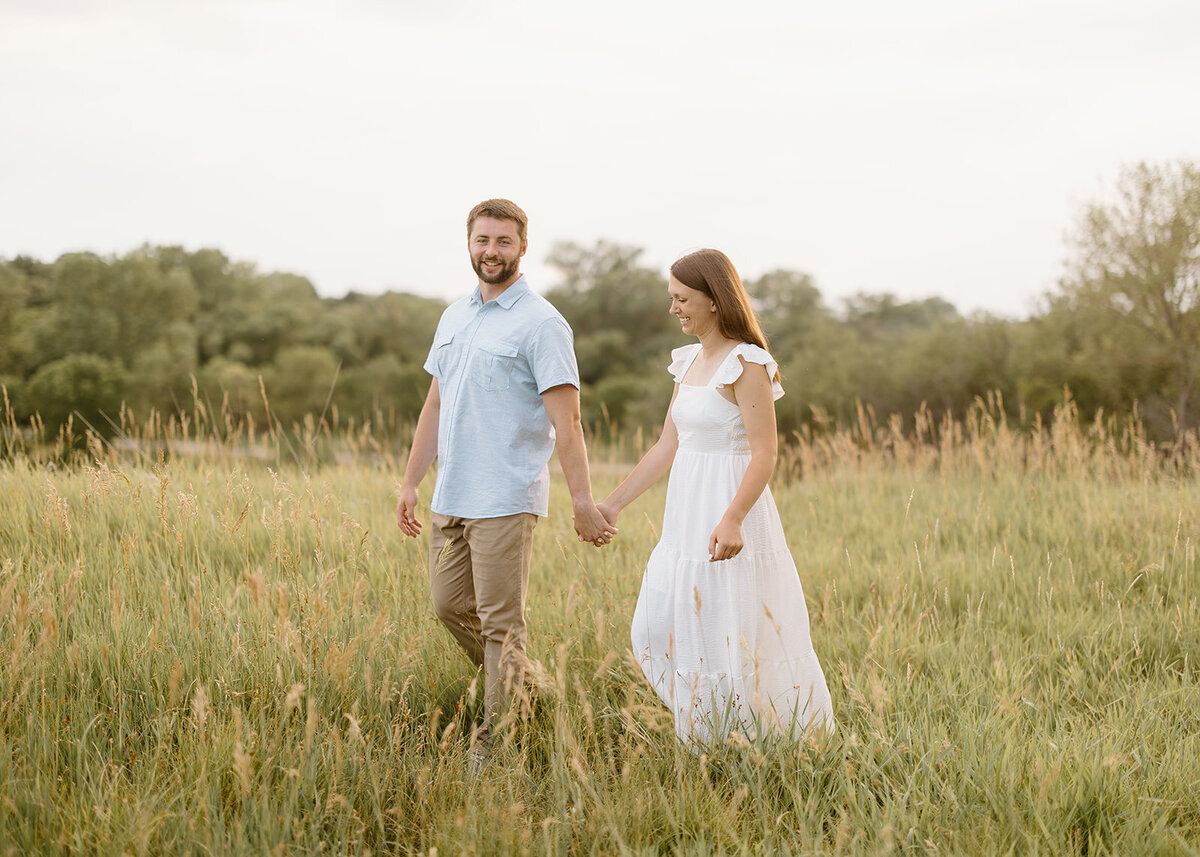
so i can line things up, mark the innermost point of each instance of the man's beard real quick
(505, 273)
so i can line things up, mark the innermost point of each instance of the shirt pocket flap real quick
(500, 349)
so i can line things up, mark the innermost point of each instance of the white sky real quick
(931, 147)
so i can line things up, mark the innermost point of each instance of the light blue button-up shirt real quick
(493, 361)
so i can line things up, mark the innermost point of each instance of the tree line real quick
(160, 327)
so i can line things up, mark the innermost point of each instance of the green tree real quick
(789, 307)
(949, 364)
(114, 309)
(384, 391)
(150, 305)
(263, 315)
(160, 374)
(828, 375)
(299, 382)
(84, 384)
(14, 402)
(225, 291)
(1064, 349)
(1135, 278)
(80, 316)
(362, 327)
(617, 309)
(15, 293)
(231, 389)
(886, 319)
(285, 306)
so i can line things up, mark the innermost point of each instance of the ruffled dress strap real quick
(731, 369)
(681, 359)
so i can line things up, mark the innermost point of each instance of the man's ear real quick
(524, 247)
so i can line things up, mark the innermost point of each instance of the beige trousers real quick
(478, 574)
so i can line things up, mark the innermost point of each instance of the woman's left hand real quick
(725, 541)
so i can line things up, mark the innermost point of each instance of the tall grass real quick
(204, 651)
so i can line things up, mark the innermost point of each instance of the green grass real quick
(212, 656)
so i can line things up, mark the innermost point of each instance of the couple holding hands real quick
(720, 628)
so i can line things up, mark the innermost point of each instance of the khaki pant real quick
(478, 574)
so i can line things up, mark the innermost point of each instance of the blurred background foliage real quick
(159, 328)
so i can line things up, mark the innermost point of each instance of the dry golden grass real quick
(220, 652)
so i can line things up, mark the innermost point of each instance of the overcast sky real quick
(920, 148)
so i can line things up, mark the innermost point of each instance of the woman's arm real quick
(649, 470)
(752, 391)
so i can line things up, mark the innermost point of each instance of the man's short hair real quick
(501, 209)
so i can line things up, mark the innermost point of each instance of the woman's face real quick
(695, 310)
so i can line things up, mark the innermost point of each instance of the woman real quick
(721, 627)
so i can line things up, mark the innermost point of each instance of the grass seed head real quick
(200, 708)
(294, 695)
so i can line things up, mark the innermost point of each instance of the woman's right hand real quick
(609, 511)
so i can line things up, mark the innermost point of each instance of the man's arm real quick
(562, 406)
(422, 454)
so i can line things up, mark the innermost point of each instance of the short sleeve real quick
(440, 338)
(552, 355)
(681, 358)
(731, 369)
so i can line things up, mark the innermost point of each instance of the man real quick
(505, 388)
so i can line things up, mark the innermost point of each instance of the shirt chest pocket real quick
(447, 350)
(494, 365)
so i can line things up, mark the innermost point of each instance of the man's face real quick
(496, 250)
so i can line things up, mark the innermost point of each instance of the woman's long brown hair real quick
(711, 272)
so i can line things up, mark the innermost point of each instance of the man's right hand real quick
(406, 512)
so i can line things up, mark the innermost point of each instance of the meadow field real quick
(209, 652)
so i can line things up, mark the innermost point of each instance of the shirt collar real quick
(508, 297)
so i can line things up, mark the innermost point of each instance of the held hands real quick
(406, 512)
(590, 524)
(593, 526)
(609, 511)
(725, 541)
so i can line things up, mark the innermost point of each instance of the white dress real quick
(725, 644)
